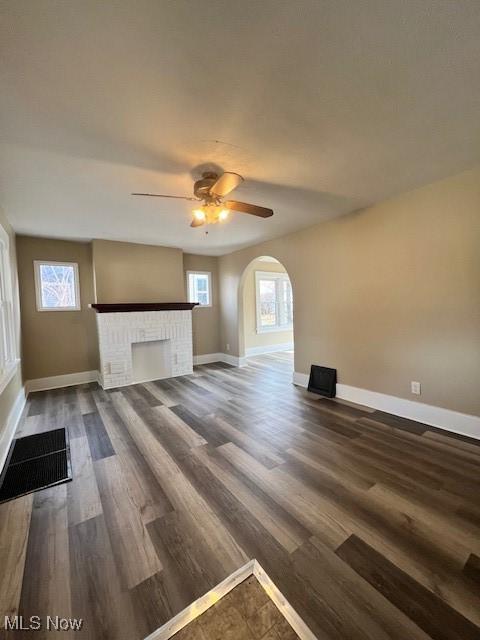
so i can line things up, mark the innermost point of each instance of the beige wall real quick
(387, 295)
(252, 338)
(56, 342)
(127, 272)
(14, 387)
(206, 320)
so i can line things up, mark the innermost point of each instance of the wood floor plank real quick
(72, 420)
(291, 495)
(100, 445)
(343, 475)
(253, 537)
(272, 519)
(452, 446)
(107, 611)
(159, 394)
(36, 403)
(369, 524)
(47, 560)
(31, 425)
(190, 566)
(266, 455)
(402, 423)
(428, 611)
(86, 403)
(298, 531)
(202, 427)
(179, 490)
(142, 486)
(435, 465)
(152, 605)
(147, 395)
(315, 561)
(472, 568)
(431, 560)
(461, 535)
(369, 467)
(14, 531)
(83, 497)
(135, 555)
(180, 427)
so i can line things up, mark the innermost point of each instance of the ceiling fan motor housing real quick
(202, 187)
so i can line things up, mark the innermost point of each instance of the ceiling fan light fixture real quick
(210, 213)
(210, 190)
(199, 214)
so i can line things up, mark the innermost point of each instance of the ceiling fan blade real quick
(162, 195)
(197, 223)
(227, 182)
(252, 209)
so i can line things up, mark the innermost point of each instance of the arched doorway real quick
(266, 312)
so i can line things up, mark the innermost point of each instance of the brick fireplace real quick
(163, 324)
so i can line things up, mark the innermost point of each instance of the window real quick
(56, 285)
(8, 355)
(274, 301)
(199, 287)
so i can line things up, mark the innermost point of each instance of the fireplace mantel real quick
(143, 306)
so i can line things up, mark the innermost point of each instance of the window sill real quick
(275, 329)
(8, 374)
(46, 309)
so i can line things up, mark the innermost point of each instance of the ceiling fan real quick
(210, 191)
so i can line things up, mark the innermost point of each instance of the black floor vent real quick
(323, 381)
(36, 462)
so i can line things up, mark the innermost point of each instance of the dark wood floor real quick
(369, 524)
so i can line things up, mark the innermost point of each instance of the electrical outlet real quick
(415, 388)
(227, 347)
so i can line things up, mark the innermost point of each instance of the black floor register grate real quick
(36, 462)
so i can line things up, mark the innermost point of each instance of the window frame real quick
(8, 338)
(278, 278)
(209, 288)
(38, 285)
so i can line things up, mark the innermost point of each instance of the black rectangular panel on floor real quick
(36, 462)
(38, 445)
(323, 381)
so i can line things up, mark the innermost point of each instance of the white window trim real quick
(38, 286)
(276, 277)
(210, 291)
(11, 364)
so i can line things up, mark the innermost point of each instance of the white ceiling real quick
(323, 106)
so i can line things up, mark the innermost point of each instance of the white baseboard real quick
(10, 427)
(301, 379)
(208, 358)
(461, 423)
(235, 361)
(57, 382)
(272, 348)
